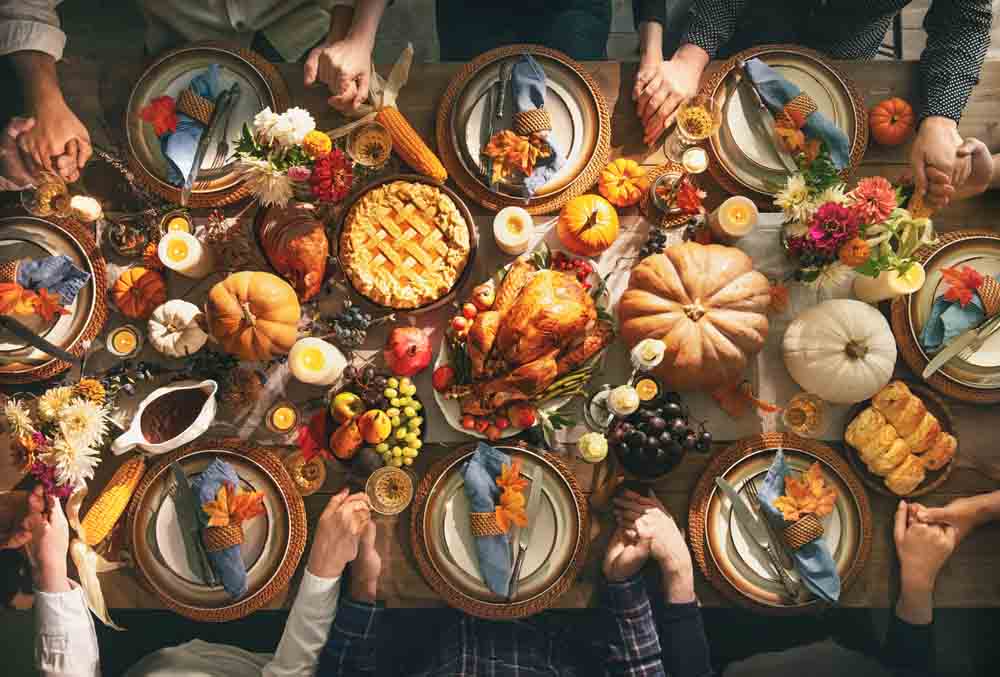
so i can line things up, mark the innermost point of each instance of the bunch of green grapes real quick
(403, 444)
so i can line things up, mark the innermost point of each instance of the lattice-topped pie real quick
(404, 244)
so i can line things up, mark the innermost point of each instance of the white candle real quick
(734, 218)
(182, 253)
(889, 284)
(695, 160)
(512, 229)
(316, 362)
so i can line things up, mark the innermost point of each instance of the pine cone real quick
(91, 389)
(243, 386)
(151, 256)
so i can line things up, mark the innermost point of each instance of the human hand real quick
(977, 173)
(661, 86)
(13, 166)
(922, 550)
(345, 66)
(58, 142)
(366, 568)
(936, 146)
(338, 534)
(44, 533)
(627, 553)
(648, 519)
(964, 514)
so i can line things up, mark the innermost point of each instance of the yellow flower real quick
(316, 144)
(51, 404)
(90, 389)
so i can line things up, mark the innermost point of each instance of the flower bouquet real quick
(285, 156)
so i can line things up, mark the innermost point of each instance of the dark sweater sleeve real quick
(649, 10)
(351, 647)
(683, 640)
(712, 23)
(909, 649)
(958, 35)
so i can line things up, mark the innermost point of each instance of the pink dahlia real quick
(832, 225)
(332, 177)
(299, 173)
(873, 199)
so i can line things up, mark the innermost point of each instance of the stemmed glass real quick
(697, 119)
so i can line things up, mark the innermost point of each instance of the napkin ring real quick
(803, 532)
(195, 106)
(220, 538)
(529, 122)
(485, 524)
(989, 292)
(8, 270)
(799, 109)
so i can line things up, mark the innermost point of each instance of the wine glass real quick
(49, 196)
(697, 119)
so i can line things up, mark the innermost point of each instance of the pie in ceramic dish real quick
(405, 244)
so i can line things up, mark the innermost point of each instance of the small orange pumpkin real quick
(587, 225)
(622, 182)
(138, 292)
(854, 252)
(891, 121)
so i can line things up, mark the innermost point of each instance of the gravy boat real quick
(133, 437)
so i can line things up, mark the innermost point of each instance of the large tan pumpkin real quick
(707, 304)
(253, 315)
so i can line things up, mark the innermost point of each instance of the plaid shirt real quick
(625, 642)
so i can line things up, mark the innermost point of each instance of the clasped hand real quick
(346, 533)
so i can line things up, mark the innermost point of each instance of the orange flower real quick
(151, 256)
(854, 252)
(779, 299)
(510, 477)
(511, 510)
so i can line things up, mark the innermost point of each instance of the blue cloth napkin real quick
(179, 147)
(777, 91)
(948, 319)
(527, 84)
(57, 274)
(813, 561)
(228, 563)
(481, 489)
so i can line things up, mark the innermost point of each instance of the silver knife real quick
(763, 122)
(187, 506)
(35, 341)
(758, 532)
(486, 133)
(222, 104)
(973, 339)
(524, 533)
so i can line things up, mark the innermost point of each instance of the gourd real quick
(622, 182)
(841, 350)
(137, 291)
(587, 225)
(409, 146)
(253, 315)
(707, 304)
(891, 121)
(174, 329)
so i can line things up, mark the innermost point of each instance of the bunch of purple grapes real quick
(368, 384)
(653, 440)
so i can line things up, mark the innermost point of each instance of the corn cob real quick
(110, 505)
(408, 144)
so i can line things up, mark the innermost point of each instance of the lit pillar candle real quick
(182, 253)
(316, 362)
(124, 342)
(513, 228)
(695, 160)
(734, 218)
(889, 284)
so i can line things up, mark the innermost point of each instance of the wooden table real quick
(98, 92)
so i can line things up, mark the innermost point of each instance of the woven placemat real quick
(650, 211)
(297, 528)
(494, 610)
(705, 488)
(858, 145)
(99, 315)
(496, 201)
(899, 317)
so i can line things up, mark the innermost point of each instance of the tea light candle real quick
(889, 284)
(124, 342)
(695, 160)
(182, 253)
(513, 228)
(282, 417)
(734, 218)
(316, 362)
(176, 221)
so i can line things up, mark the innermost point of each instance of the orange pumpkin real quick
(622, 182)
(253, 315)
(138, 292)
(587, 225)
(891, 121)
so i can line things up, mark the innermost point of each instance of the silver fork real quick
(780, 554)
(990, 328)
(222, 146)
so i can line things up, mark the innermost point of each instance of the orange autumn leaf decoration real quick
(807, 494)
(48, 305)
(962, 284)
(794, 139)
(15, 299)
(779, 298)
(514, 153)
(511, 510)
(161, 112)
(736, 400)
(233, 506)
(510, 477)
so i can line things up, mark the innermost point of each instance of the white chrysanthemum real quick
(269, 185)
(18, 418)
(263, 122)
(51, 404)
(301, 122)
(834, 194)
(794, 200)
(73, 463)
(83, 422)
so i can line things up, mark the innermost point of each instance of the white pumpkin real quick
(841, 350)
(174, 329)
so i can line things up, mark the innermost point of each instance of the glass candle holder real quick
(805, 415)
(124, 342)
(178, 220)
(282, 417)
(369, 145)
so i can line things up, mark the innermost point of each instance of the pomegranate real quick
(408, 350)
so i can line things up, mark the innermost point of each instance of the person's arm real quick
(31, 25)
(352, 645)
(712, 24)
(307, 627)
(633, 645)
(969, 512)
(65, 637)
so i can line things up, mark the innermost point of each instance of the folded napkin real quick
(57, 274)
(527, 84)
(227, 563)
(481, 489)
(949, 319)
(813, 561)
(179, 147)
(778, 92)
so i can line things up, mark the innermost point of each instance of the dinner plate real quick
(748, 161)
(26, 237)
(273, 542)
(977, 379)
(446, 552)
(260, 87)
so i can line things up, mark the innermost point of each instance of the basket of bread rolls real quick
(902, 440)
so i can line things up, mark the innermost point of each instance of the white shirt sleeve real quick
(65, 638)
(307, 628)
(31, 25)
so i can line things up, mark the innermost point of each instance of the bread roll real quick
(884, 463)
(909, 418)
(878, 444)
(864, 427)
(906, 477)
(941, 452)
(891, 399)
(921, 439)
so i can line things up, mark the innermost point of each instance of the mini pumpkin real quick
(854, 252)
(622, 182)
(587, 225)
(253, 315)
(138, 291)
(891, 121)
(174, 329)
